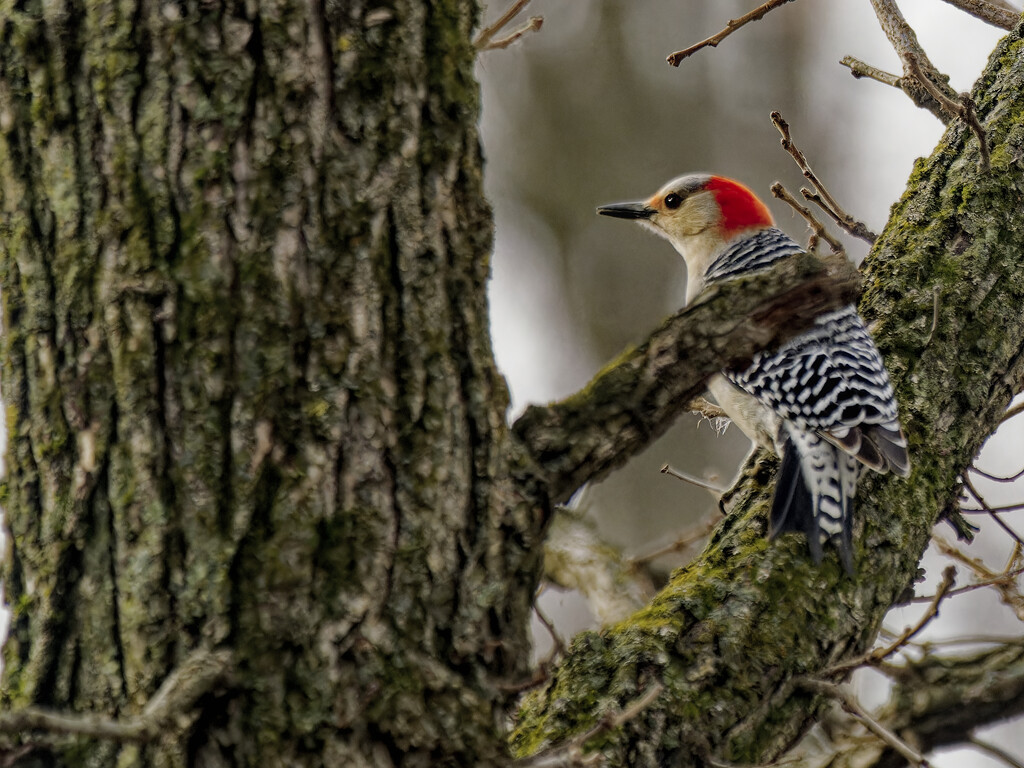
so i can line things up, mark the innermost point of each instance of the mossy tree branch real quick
(733, 632)
(638, 396)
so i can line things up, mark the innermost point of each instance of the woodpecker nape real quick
(823, 401)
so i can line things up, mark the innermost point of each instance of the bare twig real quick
(731, 26)
(995, 14)
(880, 654)
(965, 109)
(861, 69)
(948, 580)
(177, 696)
(817, 228)
(826, 201)
(1004, 583)
(686, 539)
(991, 512)
(571, 754)
(996, 478)
(988, 510)
(1016, 410)
(996, 580)
(558, 645)
(532, 24)
(851, 705)
(483, 40)
(692, 479)
(995, 751)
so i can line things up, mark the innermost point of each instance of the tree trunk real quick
(249, 385)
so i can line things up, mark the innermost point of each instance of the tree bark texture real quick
(734, 633)
(249, 385)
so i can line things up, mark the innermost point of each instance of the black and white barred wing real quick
(831, 381)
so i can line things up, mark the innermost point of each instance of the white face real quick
(682, 209)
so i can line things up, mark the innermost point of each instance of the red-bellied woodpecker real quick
(823, 401)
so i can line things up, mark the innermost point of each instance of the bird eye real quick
(673, 201)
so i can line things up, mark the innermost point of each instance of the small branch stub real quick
(197, 675)
(818, 231)
(824, 198)
(485, 40)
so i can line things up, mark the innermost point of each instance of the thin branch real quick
(483, 40)
(558, 645)
(1004, 583)
(692, 480)
(731, 26)
(817, 228)
(997, 478)
(904, 40)
(543, 669)
(996, 580)
(965, 109)
(991, 512)
(1016, 410)
(687, 539)
(995, 751)
(992, 13)
(827, 202)
(533, 24)
(851, 705)
(177, 696)
(861, 69)
(880, 654)
(988, 510)
(571, 754)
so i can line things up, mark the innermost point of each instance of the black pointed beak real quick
(627, 210)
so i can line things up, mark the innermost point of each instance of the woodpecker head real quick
(694, 204)
(698, 214)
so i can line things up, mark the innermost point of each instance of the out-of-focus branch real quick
(485, 40)
(173, 703)
(731, 26)
(937, 701)
(575, 557)
(639, 395)
(995, 13)
(849, 703)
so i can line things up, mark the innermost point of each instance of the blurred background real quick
(586, 111)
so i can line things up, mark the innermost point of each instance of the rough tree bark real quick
(256, 427)
(249, 386)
